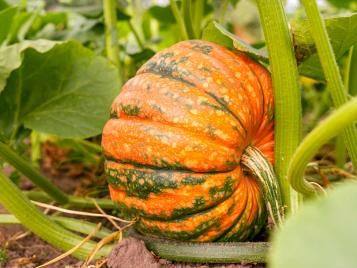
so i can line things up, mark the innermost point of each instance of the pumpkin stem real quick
(263, 171)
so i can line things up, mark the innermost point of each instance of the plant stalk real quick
(331, 71)
(286, 93)
(111, 35)
(25, 167)
(353, 70)
(341, 156)
(179, 20)
(187, 16)
(341, 118)
(76, 225)
(34, 220)
(198, 8)
(261, 168)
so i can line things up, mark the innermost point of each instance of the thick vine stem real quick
(31, 173)
(261, 168)
(72, 224)
(214, 252)
(343, 117)
(286, 93)
(33, 219)
(331, 71)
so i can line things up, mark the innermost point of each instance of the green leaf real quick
(222, 36)
(6, 19)
(3, 4)
(11, 59)
(212, 34)
(322, 234)
(66, 91)
(347, 4)
(162, 14)
(342, 32)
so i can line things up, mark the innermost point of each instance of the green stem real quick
(34, 220)
(286, 93)
(35, 148)
(340, 144)
(179, 20)
(341, 118)
(331, 71)
(136, 35)
(73, 201)
(215, 252)
(31, 173)
(198, 9)
(340, 154)
(76, 225)
(187, 15)
(111, 34)
(261, 168)
(353, 70)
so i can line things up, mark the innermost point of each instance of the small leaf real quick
(322, 234)
(66, 91)
(236, 42)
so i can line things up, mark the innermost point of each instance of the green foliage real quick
(3, 4)
(66, 90)
(322, 234)
(215, 32)
(342, 33)
(6, 19)
(347, 4)
(11, 57)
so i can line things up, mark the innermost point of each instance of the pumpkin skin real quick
(174, 143)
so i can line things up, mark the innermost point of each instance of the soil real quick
(25, 250)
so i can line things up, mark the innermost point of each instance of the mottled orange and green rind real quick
(175, 139)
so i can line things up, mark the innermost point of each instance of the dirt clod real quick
(131, 253)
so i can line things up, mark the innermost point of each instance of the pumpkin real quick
(176, 137)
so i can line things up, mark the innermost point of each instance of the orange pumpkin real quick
(174, 143)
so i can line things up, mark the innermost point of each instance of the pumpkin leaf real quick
(212, 34)
(65, 90)
(342, 32)
(229, 40)
(322, 234)
(11, 56)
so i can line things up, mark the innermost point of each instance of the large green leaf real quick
(11, 56)
(322, 234)
(342, 32)
(65, 91)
